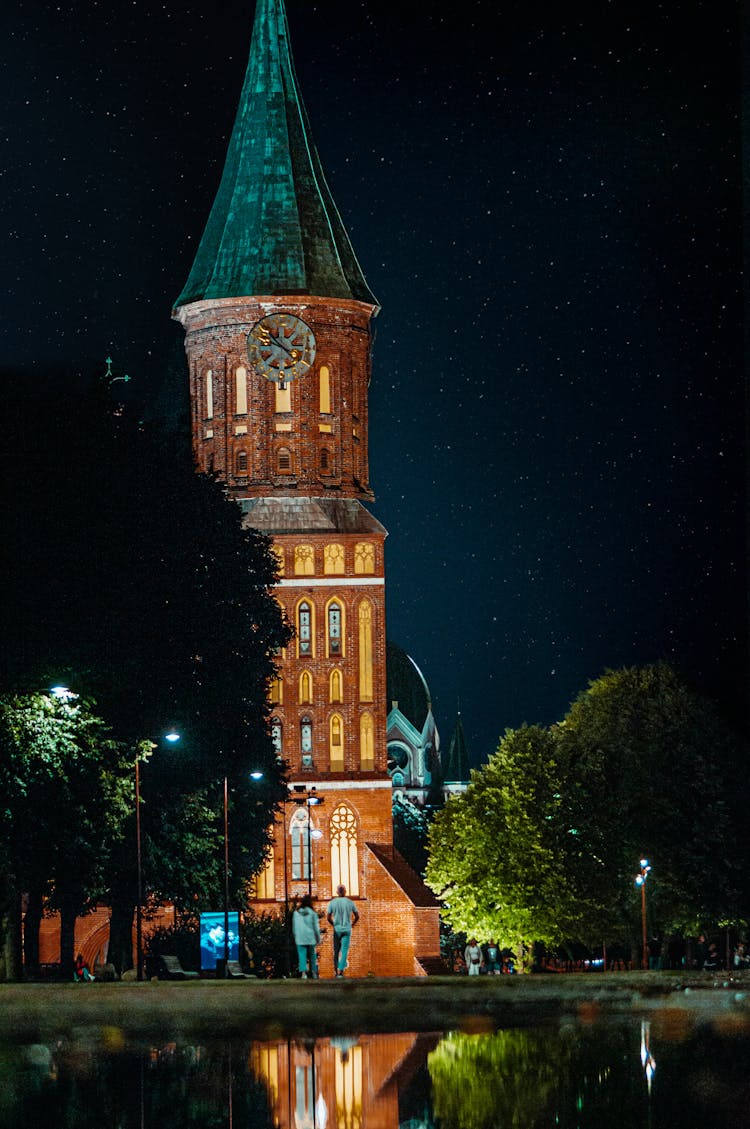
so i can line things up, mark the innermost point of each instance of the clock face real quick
(281, 347)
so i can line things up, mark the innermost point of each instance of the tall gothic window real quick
(304, 560)
(335, 687)
(304, 628)
(276, 735)
(306, 740)
(325, 390)
(364, 557)
(336, 742)
(344, 854)
(366, 742)
(305, 687)
(298, 835)
(365, 651)
(334, 628)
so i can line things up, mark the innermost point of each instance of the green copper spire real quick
(273, 228)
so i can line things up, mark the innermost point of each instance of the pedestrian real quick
(80, 971)
(473, 957)
(306, 928)
(493, 962)
(342, 914)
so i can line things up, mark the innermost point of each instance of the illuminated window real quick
(284, 460)
(364, 558)
(276, 735)
(335, 689)
(306, 740)
(336, 742)
(348, 1088)
(325, 390)
(283, 398)
(276, 692)
(240, 406)
(365, 651)
(304, 629)
(305, 687)
(366, 742)
(278, 552)
(335, 617)
(209, 388)
(304, 560)
(344, 856)
(298, 835)
(240, 463)
(263, 885)
(333, 560)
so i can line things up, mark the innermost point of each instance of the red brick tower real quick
(277, 316)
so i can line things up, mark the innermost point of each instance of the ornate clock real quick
(281, 347)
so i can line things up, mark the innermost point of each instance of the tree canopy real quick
(545, 843)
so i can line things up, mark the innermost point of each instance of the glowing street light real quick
(143, 751)
(640, 880)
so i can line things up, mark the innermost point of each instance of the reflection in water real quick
(575, 1076)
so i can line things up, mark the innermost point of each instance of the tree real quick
(135, 574)
(647, 769)
(495, 851)
(67, 791)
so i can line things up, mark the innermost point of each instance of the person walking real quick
(306, 929)
(342, 914)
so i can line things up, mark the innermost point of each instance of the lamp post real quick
(143, 751)
(640, 880)
(256, 775)
(312, 799)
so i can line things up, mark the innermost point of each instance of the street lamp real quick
(640, 880)
(256, 775)
(143, 751)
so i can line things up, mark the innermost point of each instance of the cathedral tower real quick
(277, 315)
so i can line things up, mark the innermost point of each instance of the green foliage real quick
(268, 938)
(544, 844)
(67, 790)
(181, 940)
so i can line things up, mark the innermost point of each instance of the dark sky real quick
(544, 198)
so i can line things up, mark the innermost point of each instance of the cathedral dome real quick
(406, 687)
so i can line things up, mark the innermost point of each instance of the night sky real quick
(545, 200)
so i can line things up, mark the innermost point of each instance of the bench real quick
(169, 968)
(234, 971)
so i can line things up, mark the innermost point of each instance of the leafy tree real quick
(495, 851)
(67, 791)
(136, 576)
(647, 769)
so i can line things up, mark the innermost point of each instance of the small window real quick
(240, 464)
(284, 460)
(325, 460)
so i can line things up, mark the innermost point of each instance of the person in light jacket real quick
(306, 929)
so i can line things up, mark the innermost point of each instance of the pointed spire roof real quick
(456, 763)
(273, 228)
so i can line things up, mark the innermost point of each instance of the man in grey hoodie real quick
(306, 929)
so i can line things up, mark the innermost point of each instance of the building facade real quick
(277, 317)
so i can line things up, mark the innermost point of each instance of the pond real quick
(662, 1073)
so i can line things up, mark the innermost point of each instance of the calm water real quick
(665, 1074)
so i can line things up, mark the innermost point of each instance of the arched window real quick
(304, 560)
(344, 855)
(325, 390)
(240, 463)
(325, 460)
(306, 740)
(299, 837)
(209, 393)
(364, 558)
(276, 735)
(240, 405)
(278, 552)
(304, 628)
(276, 691)
(365, 651)
(336, 742)
(284, 460)
(263, 885)
(335, 634)
(335, 686)
(366, 742)
(305, 687)
(333, 560)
